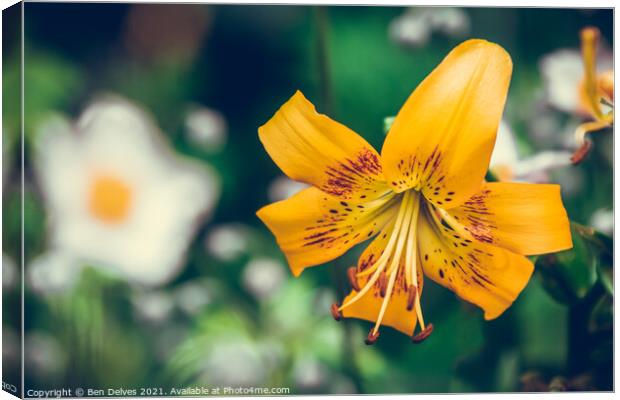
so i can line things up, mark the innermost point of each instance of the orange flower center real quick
(109, 199)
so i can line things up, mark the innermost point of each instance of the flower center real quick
(402, 244)
(109, 199)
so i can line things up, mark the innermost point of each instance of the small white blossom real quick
(44, 356)
(9, 273)
(228, 242)
(415, 26)
(263, 276)
(207, 129)
(53, 272)
(153, 306)
(309, 373)
(234, 362)
(603, 220)
(192, 297)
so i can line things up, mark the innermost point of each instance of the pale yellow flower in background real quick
(597, 93)
(581, 83)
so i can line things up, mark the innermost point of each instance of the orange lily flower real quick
(595, 89)
(423, 200)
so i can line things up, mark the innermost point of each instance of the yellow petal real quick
(442, 138)
(310, 147)
(587, 127)
(605, 83)
(313, 227)
(521, 217)
(396, 316)
(487, 276)
(589, 44)
(368, 306)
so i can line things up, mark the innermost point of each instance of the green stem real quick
(579, 340)
(322, 28)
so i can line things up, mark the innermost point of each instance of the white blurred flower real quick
(192, 297)
(340, 384)
(562, 73)
(507, 165)
(9, 273)
(53, 272)
(415, 26)
(11, 347)
(117, 196)
(505, 151)
(234, 362)
(206, 128)
(273, 351)
(167, 339)
(228, 242)
(153, 306)
(283, 187)
(451, 21)
(263, 276)
(44, 357)
(309, 373)
(603, 220)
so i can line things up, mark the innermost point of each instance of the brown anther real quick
(351, 272)
(581, 153)
(382, 284)
(335, 312)
(412, 292)
(423, 335)
(372, 337)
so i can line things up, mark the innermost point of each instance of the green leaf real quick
(605, 273)
(568, 275)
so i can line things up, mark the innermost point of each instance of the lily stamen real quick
(385, 255)
(423, 335)
(412, 292)
(383, 259)
(382, 284)
(372, 337)
(411, 218)
(335, 312)
(353, 279)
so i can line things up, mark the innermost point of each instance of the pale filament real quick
(454, 224)
(379, 265)
(410, 218)
(411, 270)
